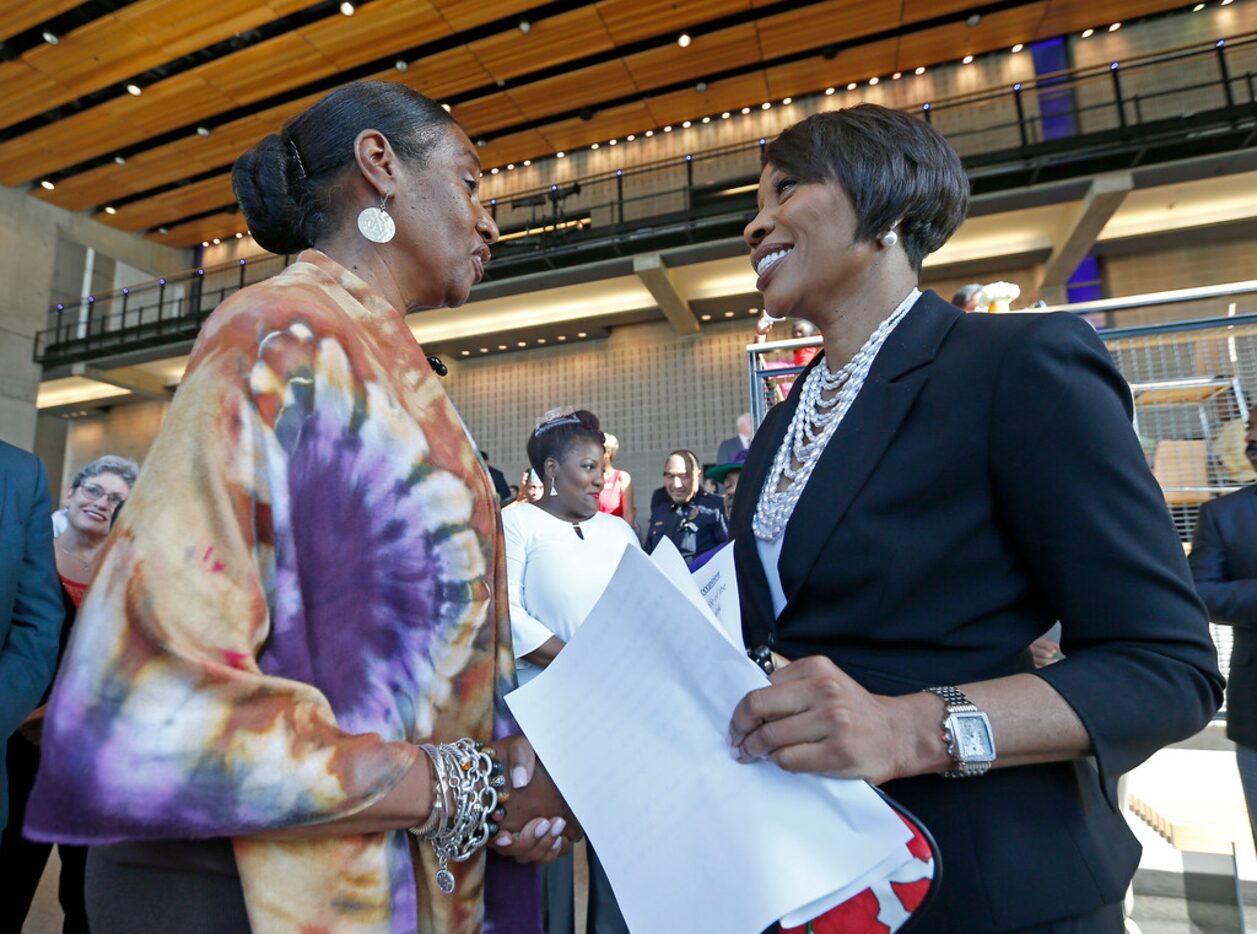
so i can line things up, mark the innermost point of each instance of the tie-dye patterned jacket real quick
(304, 583)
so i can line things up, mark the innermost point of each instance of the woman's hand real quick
(530, 793)
(815, 718)
(539, 841)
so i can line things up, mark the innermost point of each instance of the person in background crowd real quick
(739, 442)
(967, 297)
(616, 497)
(727, 476)
(530, 489)
(94, 500)
(803, 355)
(31, 609)
(560, 555)
(692, 519)
(499, 480)
(296, 640)
(904, 615)
(1224, 565)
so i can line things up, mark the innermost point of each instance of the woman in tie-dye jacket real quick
(308, 579)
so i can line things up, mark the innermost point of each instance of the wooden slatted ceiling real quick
(120, 45)
(630, 20)
(460, 69)
(20, 15)
(551, 42)
(468, 14)
(798, 31)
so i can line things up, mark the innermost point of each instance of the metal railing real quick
(1182, 102)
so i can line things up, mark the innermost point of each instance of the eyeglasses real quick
(94, 492)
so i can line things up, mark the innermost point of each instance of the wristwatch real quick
(967, 733)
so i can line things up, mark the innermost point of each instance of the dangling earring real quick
(375, 223)
(889, 238)
(553, 489)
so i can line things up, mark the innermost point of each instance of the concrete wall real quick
(30, 232)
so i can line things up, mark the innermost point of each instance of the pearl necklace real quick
(814, 423)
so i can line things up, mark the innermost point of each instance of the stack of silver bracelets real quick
(465, 797)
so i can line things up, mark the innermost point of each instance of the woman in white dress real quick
(561, 553)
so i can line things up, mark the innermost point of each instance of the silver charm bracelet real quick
(465, 797)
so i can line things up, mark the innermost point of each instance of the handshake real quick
(535, 824)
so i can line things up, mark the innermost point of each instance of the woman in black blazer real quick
(904, 533)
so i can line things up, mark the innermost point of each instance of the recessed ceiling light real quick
(202, 131)
(560, 154)
(562, 337)
(134, 89)
(707, 119)
(494, 170)
(204, 243)
(650, 132)
(510, 167)
(216, 241)
(1198, 7)
(746, 110)
(347, 8)
(521, 343)
(728, 314)
(1088, 33)
(920, 70)
(896, 76)
(163, 230)
(767, 105)
(668, 128)
(829, 91)
(239, 235)
(873, 81)
(593, 146)
(541, 340)
(706, 317)
(525, 26)
(613, 142)
(684, 40)
(788, 101)
(110, 209)
(47, 185)
(852, 86)
(967, 60)
(120, 160)
(725, 115)
(401, 65)
(686, 125)
(630, 137)
(1017, 48)
(1115, 27)
(51, 37)
(581, 334)
(484, 349)
(501, 346)
(527, 162)
(465, 353)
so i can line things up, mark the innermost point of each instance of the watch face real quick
(973, 738)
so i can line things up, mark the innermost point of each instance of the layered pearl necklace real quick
(814, 423)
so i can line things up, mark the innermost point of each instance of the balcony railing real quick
(1171, 105)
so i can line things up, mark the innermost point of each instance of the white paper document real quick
(631, 719)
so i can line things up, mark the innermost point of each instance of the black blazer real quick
(1224, 564)
(985, 483)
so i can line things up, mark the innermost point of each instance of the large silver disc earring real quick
(375, 223)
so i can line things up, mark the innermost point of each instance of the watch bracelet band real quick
(955, 701)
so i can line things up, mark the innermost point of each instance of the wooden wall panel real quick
(573, 90)
(996, 31)
(551, 42)
(810, 26)
(714, 52)
(730, 94)
(631, 20)
(1076, 15)
(348, 41)
(468, 14)
(20, 15)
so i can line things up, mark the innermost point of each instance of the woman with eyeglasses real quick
(94, 498)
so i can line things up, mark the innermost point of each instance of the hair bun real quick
(270, 189)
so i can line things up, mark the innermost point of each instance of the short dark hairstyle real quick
(965, 294)
(554, 437)
(286, 183)
(894, 168)
(692, 463)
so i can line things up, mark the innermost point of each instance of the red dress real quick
(611, 498)
(75, 589)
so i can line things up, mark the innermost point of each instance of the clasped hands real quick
(536, 825)
(815, 718)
